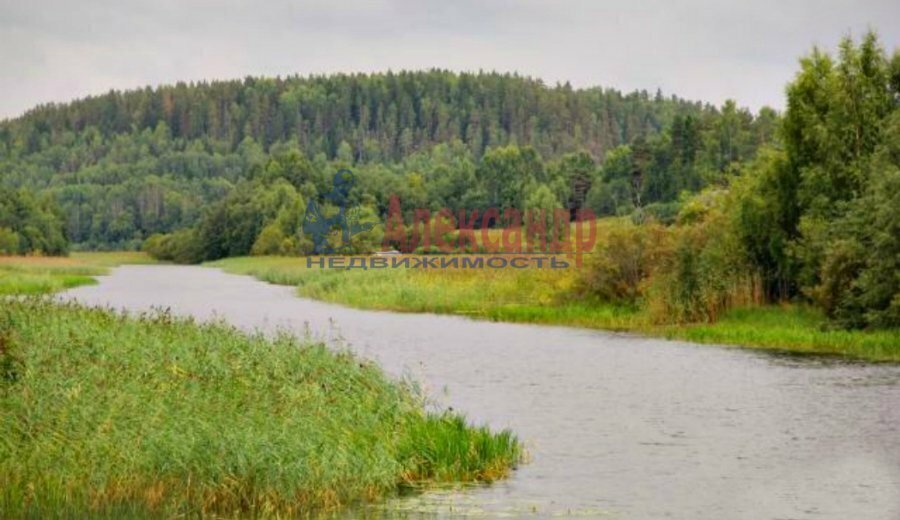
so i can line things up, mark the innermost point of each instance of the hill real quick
(125, 165)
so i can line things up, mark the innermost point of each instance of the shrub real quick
(269, 241)
(706, 271)
(625, 257)
(182, 247)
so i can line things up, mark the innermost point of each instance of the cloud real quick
(59, 50)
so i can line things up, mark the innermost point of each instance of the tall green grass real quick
(791, 328)
(545, 296)
(102, 414)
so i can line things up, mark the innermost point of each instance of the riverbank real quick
(108, 415)
(48, 274)
(609, 418)
(540, 296)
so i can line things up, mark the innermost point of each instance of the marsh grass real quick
(791, 328)
(544, 296)
(42, 275)
(107, 415)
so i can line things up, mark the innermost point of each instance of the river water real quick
(617, 426)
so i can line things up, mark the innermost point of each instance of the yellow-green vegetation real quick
(41, 275)
(556, 296)
(463, 291)
(112, 258)
(102, 414)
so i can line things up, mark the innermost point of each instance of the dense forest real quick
(127, 165)
(718, 206)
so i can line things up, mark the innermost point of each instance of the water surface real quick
(617, 426)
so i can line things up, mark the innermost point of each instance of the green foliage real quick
(9, 241)
(358, 117)
(665, 212)
(30, 225)
(765, 221)
(182, 247)
(816, 220)
(577, 171)
(840, 133)
(622, 262)
(541, 228)
(652, 172)
(860, 285)
(270, 241)
(128, 165)
(225, 169)
(686, 273)
(834, 121)
(706, 272)
(613, 198)
(506, 174)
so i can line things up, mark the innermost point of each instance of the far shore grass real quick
(538, 296)
(47, 274)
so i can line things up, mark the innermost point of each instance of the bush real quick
(706, 272)
(625, 257)
(182, 247)
(269, 242)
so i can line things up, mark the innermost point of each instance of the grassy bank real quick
(42, 275)
(539, 296)
(794, 329)
(110, 415)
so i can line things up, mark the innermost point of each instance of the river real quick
(617, 426)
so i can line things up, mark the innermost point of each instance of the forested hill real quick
(125, 165)
(380, 116)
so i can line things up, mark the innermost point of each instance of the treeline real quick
(380, 117)
(263, 213)
(30, 224)
(124, 166)
(814, 219)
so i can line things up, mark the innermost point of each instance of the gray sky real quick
(710, 50)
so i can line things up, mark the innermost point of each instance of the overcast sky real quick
(708, 50)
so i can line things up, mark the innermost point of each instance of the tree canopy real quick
(127, 165)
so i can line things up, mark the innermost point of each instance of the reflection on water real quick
(617, 426)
